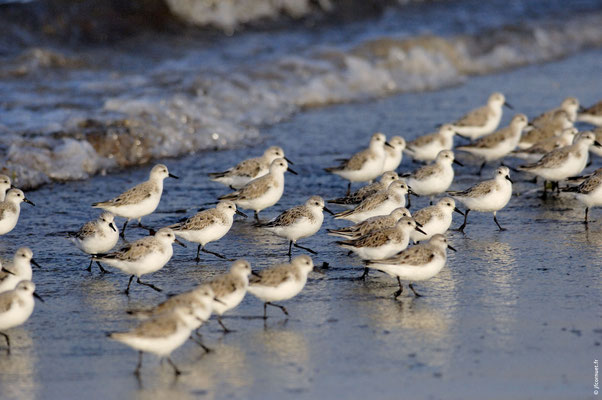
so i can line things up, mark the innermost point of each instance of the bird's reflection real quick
(223, 371)
(17, 370)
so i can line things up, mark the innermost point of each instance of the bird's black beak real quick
(420, 230)
(37, 296)
(35, 263)
(389, 144)
(507, 177)
(242, 214)
(13, 186)
(291, 171)
(173, 176)
(410, 191)
(597, 144)
(456, 209)
(28, 201)
(328, 211)
(462, 135)
(7, 271)
(218, 300)
(255, 274)
(451, 248)
(113, 227)
(418, 224)
(508, 105)
(289, 161)
(530, 125)
(180, 243)
(458, 162)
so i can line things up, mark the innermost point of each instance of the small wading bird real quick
(262, 192)
(364, 166)
(299, 222)
(418, 263)
(487, 196)
(247, 170)
(139, 201)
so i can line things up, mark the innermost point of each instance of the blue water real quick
(515, 314)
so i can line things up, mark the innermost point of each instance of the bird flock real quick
(382, 230)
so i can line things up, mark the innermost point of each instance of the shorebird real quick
(247, 170)
(139, 201)
(262, 192)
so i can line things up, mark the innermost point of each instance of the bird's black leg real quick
(7, 342)
(226, 330)
(127, 290)
(104, 271)
(175, 368)
(413, 290)
(398, 292)
(461, 228)
(305, 248)
(89, 269)
(481, 169)
(122, 234)
(137, 371)
(497, 223)
(204, 250)
(279, 306)
(150, 285)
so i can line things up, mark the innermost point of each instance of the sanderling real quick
(16, 306)
(498, 144)
(96, 237)
(383, 243)
(597, 150)
(394, 153)
(19, 270)
(299, 222)
(570, 105)
(371, 224)
(434, 219)
(483, 120)
(565, 162)
(368, 190)
(418, 263)
(487, 196)
(280, 282)
(435, 178)
(144, 256)
(262, 192)
(247, 170)
(160, 335)
(230, 288)
(558, 122)
(10, 209)
(380, 203)
(199, 300)
(544, 146)
(139, 201)
(364, 166)
(5, 184)
(207, 226)
(589, 192)
(591, 115)
(425, 148)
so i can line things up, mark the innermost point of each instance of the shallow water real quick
(69, 111)
(515, 314)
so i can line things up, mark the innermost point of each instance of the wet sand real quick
(514, 314)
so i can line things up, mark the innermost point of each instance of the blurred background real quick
(88, 86)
